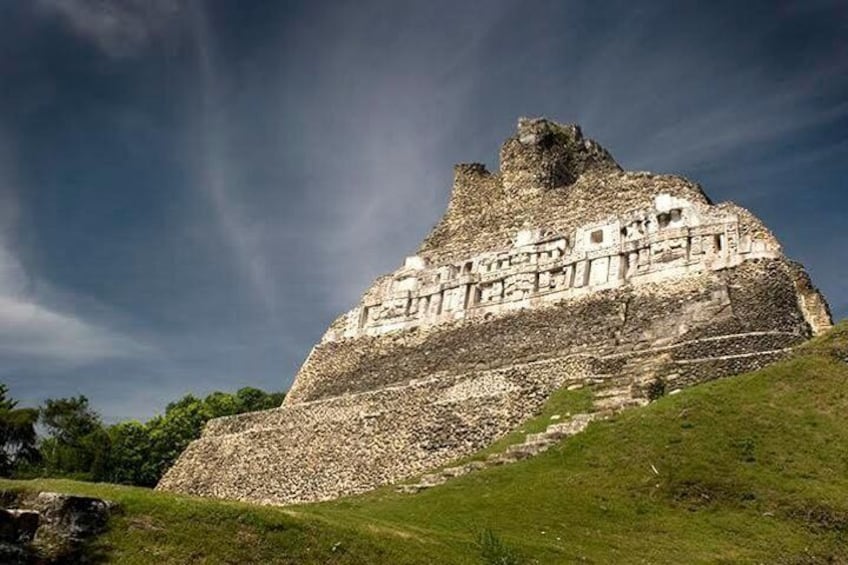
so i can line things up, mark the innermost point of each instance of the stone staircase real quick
(533, 444)
(612, 394)
(627, 388)
(617, 394)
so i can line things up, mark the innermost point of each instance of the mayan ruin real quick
(559, 270)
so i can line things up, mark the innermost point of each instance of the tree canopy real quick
(17, 433)
(77, 443)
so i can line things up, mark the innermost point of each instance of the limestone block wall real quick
(377, 410)
(352, 443)
(813, 305)
(349, 444)
(755, 296)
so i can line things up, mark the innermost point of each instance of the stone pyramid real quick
(559, 270)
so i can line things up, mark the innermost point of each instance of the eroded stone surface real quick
(560, 269)
(76, 517)
(50, 527)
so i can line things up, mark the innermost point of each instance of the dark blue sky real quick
(191, 191)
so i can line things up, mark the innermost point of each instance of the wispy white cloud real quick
(687, 98)
(33, 329)
(732, 128)
(28, 329)
(214, 174)
(37, 324)
(118, 27)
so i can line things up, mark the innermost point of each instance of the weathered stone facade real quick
(559, 270)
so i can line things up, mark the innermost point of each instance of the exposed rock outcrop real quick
(50, 527)
(75, 517)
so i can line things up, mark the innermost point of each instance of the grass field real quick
(750, 469)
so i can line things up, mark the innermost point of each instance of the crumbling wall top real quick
(544, 155)
(550, 177)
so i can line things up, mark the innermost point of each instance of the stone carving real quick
(560, 269)
(645, 246)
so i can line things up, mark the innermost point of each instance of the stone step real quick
(555, 436)
(613, 391)
(541, 437)
(432, 479)
(614, 404)
(637, 402)
(502, 458)
(575, 425)
(561, 427)
(476, 465)
(524, 450)
(520, 454)
(599, 379)
(615, 395)
(451, 472)
(619, 403)
(460, 470)
(533, 444)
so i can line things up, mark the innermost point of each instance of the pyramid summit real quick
(559, 270)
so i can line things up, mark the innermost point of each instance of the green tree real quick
(171, 432)
(220, 404)
(69, 419)
(96, 450)
(130, 456)
(253, 399)
(17, 433)
(76, 443)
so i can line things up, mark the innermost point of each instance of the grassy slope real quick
(749, 469)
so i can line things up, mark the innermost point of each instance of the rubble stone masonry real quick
(559, 270)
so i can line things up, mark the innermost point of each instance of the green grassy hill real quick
(751, 469)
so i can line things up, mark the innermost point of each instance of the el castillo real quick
(580, 364)
(322, 282)
(559, 270)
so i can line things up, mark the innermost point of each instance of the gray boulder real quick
(75, 517)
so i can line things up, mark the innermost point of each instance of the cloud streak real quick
(215, 177)
(39, 332)
(34, 327)
(120, 28)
